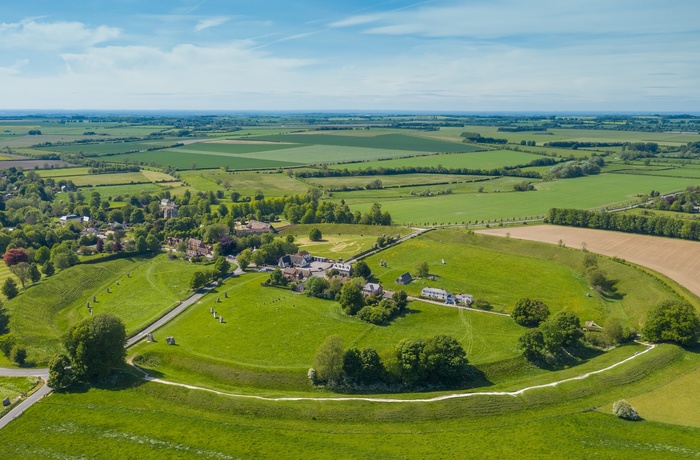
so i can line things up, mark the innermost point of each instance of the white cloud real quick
(30, 34)
(211, 22)
(356, 20)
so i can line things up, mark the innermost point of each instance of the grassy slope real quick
(44, 311)
(503, 270)
(147, 419)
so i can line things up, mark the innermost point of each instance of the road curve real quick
(36, 396)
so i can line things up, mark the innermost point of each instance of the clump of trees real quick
(551, 337)
(577, 168)
(672, 321)
(438, 361)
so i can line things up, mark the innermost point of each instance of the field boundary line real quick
(446, 397)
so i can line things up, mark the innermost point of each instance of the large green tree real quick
(351, 298)
(96, 345)
(672, 321)
(328, 360)
(530, 312)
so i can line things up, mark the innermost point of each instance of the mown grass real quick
(43, 312)
(93, 180)
(400, 180)
(147, 419)
(341, 240)
(12, 387)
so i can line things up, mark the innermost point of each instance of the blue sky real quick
(441, 55)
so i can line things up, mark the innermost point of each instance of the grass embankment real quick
(43, 312)
(158, 421)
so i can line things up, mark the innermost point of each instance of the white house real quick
(343, 269)
(70, 217)
(433, 293)
(465, 299)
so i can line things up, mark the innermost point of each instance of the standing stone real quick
(215, 315)
(211, 309)
(6, 401)
(88, 305)
(226, 295)
(170, 340)
(108, 291)
(218, 299)
(150, 338)
(94, 299)
(221, 319)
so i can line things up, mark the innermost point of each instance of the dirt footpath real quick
(677, 259)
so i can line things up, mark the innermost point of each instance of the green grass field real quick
(93, 180)
(488, 159)
(125, 190)
(12, 387)
(43, 312)
(61, 173)
(589, 192)
(185, 160)
(245, 183)
(341, 240)
(399, 180)
(129, 418)
(485, 267)
(382, 141)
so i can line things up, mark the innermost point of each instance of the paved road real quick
(44, 373)
(24, 405)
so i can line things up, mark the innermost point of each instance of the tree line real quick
(630, 223)
(438, 361)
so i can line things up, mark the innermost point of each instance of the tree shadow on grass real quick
(566, 358)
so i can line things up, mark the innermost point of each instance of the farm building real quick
(296, 274)
(404, 279)
(255, 227)
(465, 299)
(343, 269)
(433, 293)
(70, 218)
(198, 248)
(294, 260)
(169, 208)
(372, 288)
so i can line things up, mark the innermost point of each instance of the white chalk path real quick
(393, 400)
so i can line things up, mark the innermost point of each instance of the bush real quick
(625, 411)
(315, 234)
(9, 288)
(18, 355)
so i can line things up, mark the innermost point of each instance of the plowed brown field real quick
(677, 259)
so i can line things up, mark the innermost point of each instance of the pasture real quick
(487, 159)
(246, 183)
(341, 240)
(128, 417)
(231, 355)
(590, 192)
(187, 160)
(380, 141)
(44, 311)
(677, 259)
(505, 270)
(398, 180)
